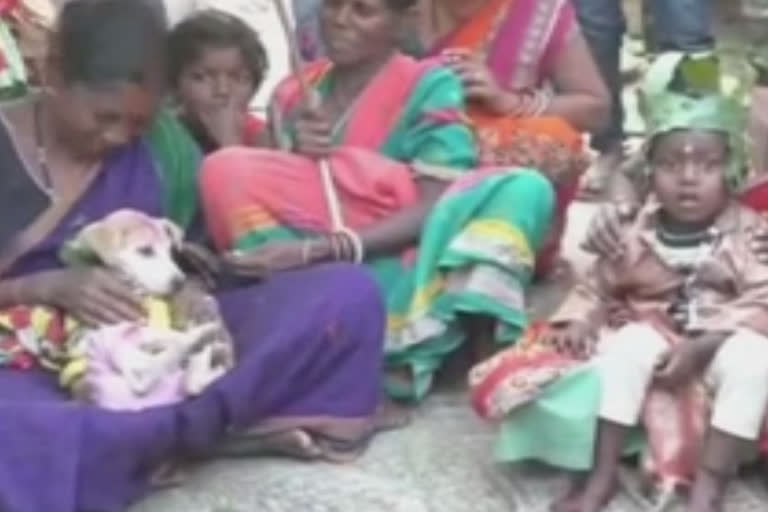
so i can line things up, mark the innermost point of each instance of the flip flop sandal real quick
(168, 475)
(250, 445)
(341, 451)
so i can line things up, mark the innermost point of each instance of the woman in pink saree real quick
(532, 86)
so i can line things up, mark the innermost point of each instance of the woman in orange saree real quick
(533, 87)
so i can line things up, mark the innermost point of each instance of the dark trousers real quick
(683, 25)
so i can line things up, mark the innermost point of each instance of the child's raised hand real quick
(572, 339)
(605, 233)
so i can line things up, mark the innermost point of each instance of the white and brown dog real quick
(132, 366)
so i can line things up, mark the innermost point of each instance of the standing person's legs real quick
(603, 25)
(682, 25)
(755, 17)
(307, 16)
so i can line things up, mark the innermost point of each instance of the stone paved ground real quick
(441, 463)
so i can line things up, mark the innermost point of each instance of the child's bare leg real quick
(739, 371)
(626, 368)
(719, 463)
(576, 483)
(594, 493)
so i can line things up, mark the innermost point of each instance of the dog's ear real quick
(94, 244)
(172, 230)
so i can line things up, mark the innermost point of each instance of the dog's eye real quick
(147, 251)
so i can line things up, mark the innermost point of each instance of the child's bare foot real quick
(575, 490)
(598, 491)
(708, 492)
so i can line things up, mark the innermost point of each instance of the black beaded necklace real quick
(41, 149)
(683, 309)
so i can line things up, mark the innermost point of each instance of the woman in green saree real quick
(391, 131)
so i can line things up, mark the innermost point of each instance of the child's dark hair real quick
(401, 5)
(102, 42)
(217, 29)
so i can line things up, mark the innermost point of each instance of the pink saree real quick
(279, 187)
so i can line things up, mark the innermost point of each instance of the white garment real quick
(738, 375)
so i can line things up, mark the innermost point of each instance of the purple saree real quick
(309, 356)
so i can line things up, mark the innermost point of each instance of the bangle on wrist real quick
(346, 245)
(335, 251)
(355, 245)
(512, 103)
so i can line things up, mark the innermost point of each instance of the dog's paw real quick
(223, 355)
(202, 335)
(193, 306)
(201, 370)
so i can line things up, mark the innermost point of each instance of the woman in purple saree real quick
(309, 342)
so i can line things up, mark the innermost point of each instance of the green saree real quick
(477, 247)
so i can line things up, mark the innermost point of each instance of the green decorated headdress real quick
(684, 92)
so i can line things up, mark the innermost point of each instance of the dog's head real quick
(137, 246)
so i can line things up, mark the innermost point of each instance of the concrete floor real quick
(440, 463)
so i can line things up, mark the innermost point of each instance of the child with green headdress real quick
(668, 338)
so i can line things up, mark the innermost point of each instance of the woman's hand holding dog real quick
(93, 296)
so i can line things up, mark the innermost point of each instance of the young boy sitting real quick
(693, 296)
(670, 335)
